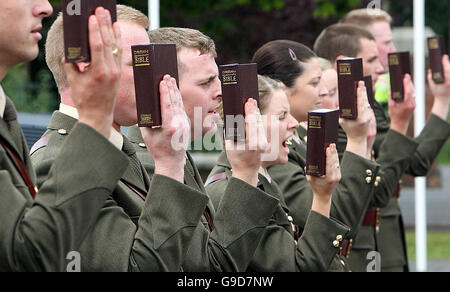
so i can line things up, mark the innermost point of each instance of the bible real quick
(350, 72)
(370, 93)
(76, 32)
(323, 129)
(436, 50)
(399, 65)
(150, 64)
(239, 83)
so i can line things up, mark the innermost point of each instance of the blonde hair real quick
(184, 38)
(366, 17)
(54, 46)
(325, 64)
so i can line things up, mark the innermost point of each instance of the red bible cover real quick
(370, 93)
(150, 64)
(436, 49)
(239, 83)
(323, 129)
(350, 72)
(399, 65)
(75, 21)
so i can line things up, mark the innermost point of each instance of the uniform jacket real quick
(37, 235)
(280, 249)
(142, 226)
(350, 200)
(231, 243)
(397, 155)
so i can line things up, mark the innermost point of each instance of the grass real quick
(438, 245)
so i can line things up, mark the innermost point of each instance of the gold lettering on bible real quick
(345, 69)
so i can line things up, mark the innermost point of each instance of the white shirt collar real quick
(116, 138)
(2, 102)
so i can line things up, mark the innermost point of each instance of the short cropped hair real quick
(54, 46)
(365, 17)
(341, 39)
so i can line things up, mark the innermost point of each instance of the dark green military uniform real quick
(132, 233)
(227, 238)
(281, 248)
(398, 154)
(38, 235)
(350, 200)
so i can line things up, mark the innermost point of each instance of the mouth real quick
(36, 33)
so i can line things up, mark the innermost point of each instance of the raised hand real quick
(357, 130)
(441, 92)
(402, 112)
(324, 187)
(245, 159)
(169, 143)
(94, 90)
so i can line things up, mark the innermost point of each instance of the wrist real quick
(322, 204)
(400, 127)
(357, 146)
(103, 126)
(441, 107)
(174, 171)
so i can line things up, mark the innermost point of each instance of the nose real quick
(293, 123)
(42, 9)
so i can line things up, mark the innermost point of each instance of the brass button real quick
(305, 138)
(339, 238)
(336, 243)
(142, 145)
(62, 131)
(368, 180)
(369, 172)
(36, 189)
(290, 219)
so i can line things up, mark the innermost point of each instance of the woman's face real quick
(330, 100)
(280, 126)
(306, 94)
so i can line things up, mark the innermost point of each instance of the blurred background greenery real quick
(239, 27)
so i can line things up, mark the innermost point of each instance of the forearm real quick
(441, 107)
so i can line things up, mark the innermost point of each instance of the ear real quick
(82, 66)
(337, 58)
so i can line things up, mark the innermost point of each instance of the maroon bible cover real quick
(436, 49)
(399, 65)
(239, 83)
(370, 93)
(323, 129)
(350, 72)
(150, 64)
(76, 33)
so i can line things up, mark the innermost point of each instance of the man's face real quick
(125, 113)
(20, 23)
(383, 35)
(201, 90)
(371, 61)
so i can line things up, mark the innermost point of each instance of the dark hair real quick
(283, 60)
(341, 39)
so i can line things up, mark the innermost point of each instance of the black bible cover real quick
(75, 21)
(399, 65)
(239, 83)
(436, 50)
(323, 129)
(150, 64)
(350, 72)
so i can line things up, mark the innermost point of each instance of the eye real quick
(207, 83)
(282, 116)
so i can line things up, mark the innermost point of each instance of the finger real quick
(165, 101)
(446, 65)
(118, 42)
(251, 124)
(104, 19)
(430, 77)
(95, 42)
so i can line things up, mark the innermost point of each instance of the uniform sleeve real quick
(394, 157)
(431, 140)
(241, 216)
(37, 236)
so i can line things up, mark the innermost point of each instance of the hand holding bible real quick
(94, 88)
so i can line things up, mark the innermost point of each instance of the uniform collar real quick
(2, 102)
(116, 138)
